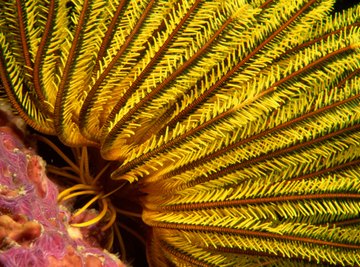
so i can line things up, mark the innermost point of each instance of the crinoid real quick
(234, 124)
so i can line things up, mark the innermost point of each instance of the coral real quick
(34, 230)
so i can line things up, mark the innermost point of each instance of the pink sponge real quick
(34, 230)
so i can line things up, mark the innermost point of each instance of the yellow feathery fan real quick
(235, 121)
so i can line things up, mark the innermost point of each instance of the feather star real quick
(235, 121)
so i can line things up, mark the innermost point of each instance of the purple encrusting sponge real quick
(34, 230)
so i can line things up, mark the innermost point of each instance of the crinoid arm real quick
(237, 122)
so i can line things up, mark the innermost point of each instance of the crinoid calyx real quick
(236, 122)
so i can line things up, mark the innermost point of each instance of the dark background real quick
(343, 4)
